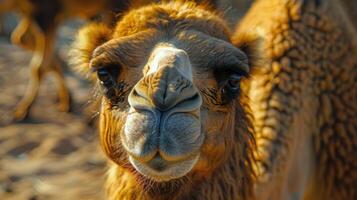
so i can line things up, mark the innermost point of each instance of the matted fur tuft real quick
(88, 38)
(252, 45)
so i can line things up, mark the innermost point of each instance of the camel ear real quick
(252, 45)
(87, 40)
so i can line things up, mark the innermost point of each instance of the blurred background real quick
(51, 154)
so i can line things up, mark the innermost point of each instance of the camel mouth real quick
(160, 170)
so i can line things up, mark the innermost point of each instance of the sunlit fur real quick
(225, 166)
(304, 99)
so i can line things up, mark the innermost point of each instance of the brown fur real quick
(307, 90)
(225, 169)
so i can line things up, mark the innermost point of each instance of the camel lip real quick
(158, 170)
(144, 135)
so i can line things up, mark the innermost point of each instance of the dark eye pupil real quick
(103, 75)
(234, 82)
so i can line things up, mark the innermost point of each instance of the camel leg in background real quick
(40, 61)
(23, 36)
(62, 89)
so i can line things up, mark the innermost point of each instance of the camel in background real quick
(37, 30)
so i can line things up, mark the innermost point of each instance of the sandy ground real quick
(52, 155)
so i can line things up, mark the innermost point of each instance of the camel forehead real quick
(171, 18)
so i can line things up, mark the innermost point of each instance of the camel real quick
(303, 99)
(172, 120)
(36, 32)
(189, 111)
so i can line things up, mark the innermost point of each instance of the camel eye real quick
(234, 82)
(107, 76)
(104, 77)
(231, 88)
(111, 88)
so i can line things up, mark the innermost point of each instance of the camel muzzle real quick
(162, 133)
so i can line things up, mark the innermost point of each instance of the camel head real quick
(169, 79)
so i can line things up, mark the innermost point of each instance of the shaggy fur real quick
(304, 98)
(226, 168)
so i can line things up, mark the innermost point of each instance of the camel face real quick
(170, 80)
(168, 100)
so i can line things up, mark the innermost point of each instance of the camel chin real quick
(160, 170)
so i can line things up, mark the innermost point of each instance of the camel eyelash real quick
(210, 95)
(219, 97)
(114, 90)
(116, 93)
